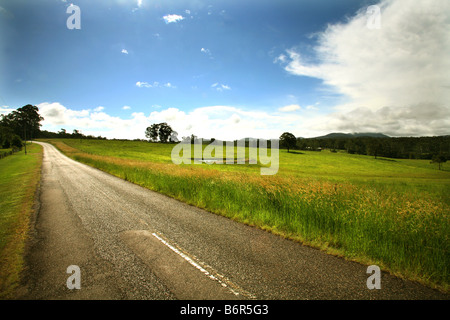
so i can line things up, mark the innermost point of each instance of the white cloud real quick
(290, 108)
(126, 108)
(226, 122)
(99, 108)
(94, 122)
(169, 85)
(206, 51)
(57, 114)
(220, 87)
(386, 72)
(281, 58)
(125, 51)
(172, 18)
(220, 122)
(139, 3)
(416, 120)
(143, 84)
(298, 67)
(313, 106)
(5, 110)
(155, 84)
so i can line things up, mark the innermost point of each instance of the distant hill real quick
(336, 135)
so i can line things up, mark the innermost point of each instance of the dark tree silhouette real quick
(152, 132)
(159, 130)
(438, 158)
(25, 122)
(288, 140)
(164, 132)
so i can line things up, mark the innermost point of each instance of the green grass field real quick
(390, 212)
(19, 178)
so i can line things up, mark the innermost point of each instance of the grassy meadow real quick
(19, 178)
(390, 212)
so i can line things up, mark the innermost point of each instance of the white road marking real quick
(202, 267)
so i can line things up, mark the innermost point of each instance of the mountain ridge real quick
(335, 135)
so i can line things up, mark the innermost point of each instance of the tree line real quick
(390, 147)
(432, 148)
(18, 126)
(436, 149)
(64, 134)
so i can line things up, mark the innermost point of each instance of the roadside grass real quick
(394, 214)
(5, 152)
(19, 178)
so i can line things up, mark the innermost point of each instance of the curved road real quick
(132, 243)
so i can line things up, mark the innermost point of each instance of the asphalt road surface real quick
(132, 243)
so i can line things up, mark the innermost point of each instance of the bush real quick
(16, 142)
(6, 144)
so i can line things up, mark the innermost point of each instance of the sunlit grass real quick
(19, 177)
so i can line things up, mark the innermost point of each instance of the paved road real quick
(132, 243)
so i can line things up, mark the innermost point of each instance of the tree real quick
(301, 144)
(9, 139)
(164, 132)
(29, 120)
(159, 130)
(288, 140)
(152, 132)
(374, 147)
(350, 146)
(25, 122)
(16, 142)
(438, 158)
(77, 134)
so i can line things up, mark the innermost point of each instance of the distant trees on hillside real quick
(63, 134)
(402, 147)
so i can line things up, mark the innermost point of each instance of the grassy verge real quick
(5, 152)
(19, 178)
(394, 214)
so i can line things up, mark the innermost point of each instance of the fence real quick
(4, 154)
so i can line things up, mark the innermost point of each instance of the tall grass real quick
(397, 226)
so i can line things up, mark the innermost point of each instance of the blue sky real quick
(225, 69)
